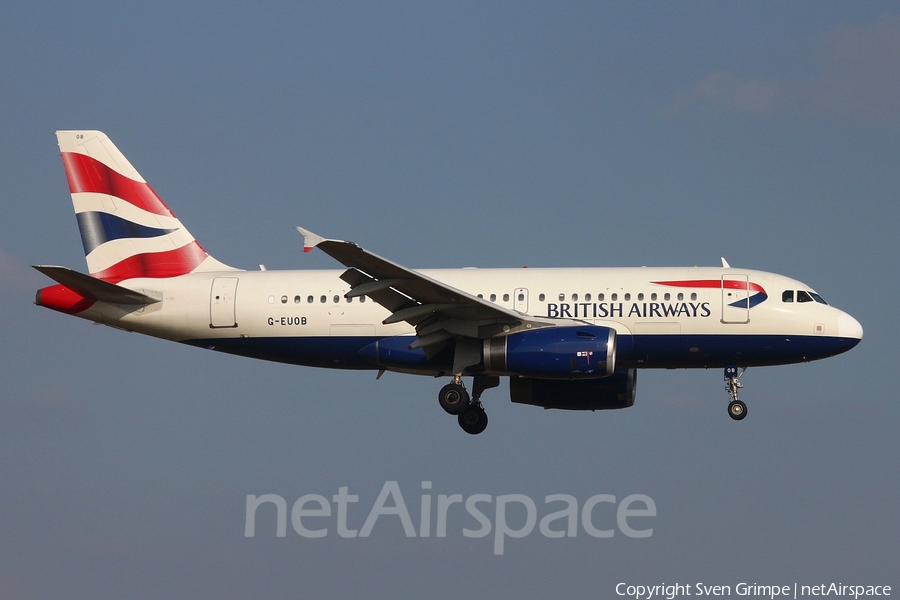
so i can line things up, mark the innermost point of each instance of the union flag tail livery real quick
(566, 338)
(126, 229)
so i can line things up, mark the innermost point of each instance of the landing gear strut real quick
(737, 410)
(454, 399)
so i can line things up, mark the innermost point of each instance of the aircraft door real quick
(735, 298)
(221, 302)
(520, 300)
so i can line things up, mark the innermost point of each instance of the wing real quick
(438, 311)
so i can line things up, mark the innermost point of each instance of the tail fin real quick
(126, 229)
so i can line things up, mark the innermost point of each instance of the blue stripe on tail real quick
(99, 227)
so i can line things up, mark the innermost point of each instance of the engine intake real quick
(554, 353)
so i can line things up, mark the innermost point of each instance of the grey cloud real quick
(860, 77)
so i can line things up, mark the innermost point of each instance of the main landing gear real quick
(454, 399)
(737, 410)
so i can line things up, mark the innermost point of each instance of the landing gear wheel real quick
(737, 410)
(473, 420)
(454, 398)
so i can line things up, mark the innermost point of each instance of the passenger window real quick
(667, 296)
(506, 297)
(680, 296)
(362, 299)
(284, 299)
(574, 297)
(653, 296)
(693, 295)
(521, 297)
(587, 297)
(481, 296)
(493, 297)
(296, 299)
(323, 299)
(641, 296)
(541, 298)
(803, 296)
(336, 299)
(615, 297)
(310, 299)
(787, 296)
(600, 297)
(627, 297)
(562, 297)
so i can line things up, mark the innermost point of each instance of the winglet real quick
(310, 239)
(725, 264)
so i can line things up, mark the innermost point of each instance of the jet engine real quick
(553, 353)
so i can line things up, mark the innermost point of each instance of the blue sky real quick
(506, 134)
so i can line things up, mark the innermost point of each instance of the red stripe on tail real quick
(172, 263)
(86, 174)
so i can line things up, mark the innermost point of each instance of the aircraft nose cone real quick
(849, 327)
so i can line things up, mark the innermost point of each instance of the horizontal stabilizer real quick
(93, 288)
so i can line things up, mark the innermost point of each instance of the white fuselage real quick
(688, 312)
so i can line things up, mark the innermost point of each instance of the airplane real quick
(567, 338)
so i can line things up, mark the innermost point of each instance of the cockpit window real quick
(803, 296)
(787, 296)
(818, 298)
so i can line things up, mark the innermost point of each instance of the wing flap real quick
(416, 313)
(389, 298)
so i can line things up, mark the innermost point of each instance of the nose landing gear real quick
(454, 399)
(737, 410)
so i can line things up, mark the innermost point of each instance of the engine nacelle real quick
(554, 353)
(615, 391)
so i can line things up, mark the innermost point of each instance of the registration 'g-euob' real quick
(569, 338)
